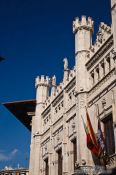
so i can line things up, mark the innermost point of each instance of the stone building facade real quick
(58, 142)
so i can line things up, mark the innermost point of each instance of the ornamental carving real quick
(97, 55)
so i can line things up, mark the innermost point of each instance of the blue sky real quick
(35, 36)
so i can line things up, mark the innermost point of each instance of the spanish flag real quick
(92, 143)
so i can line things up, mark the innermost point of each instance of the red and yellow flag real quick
(92, 143)
(91, 138)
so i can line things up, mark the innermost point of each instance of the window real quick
(46, 167)
(98, 76)
(92, 76)
(103, 67)
(109, 64)
(59, 162)
(109, 135)
(70, 96)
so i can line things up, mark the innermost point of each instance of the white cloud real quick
(14, 152)
(6, 157)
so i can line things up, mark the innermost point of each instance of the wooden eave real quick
(21, 110)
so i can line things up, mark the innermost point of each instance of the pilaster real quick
(65, 137)
(51, 146)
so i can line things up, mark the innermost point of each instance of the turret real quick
(83, 39)
(53, 90)
(42, 91)
(66, 70)
(42, 86)
(83, 33)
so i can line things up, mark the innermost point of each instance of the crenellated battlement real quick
(59, 88)
(42, 81)
(105, 28)
(103, 34)
(84, 23)
(54, 81)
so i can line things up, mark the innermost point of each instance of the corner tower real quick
(83, 33)
(42, 85)
(83, 40)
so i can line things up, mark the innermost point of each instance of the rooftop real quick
(23, 110)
